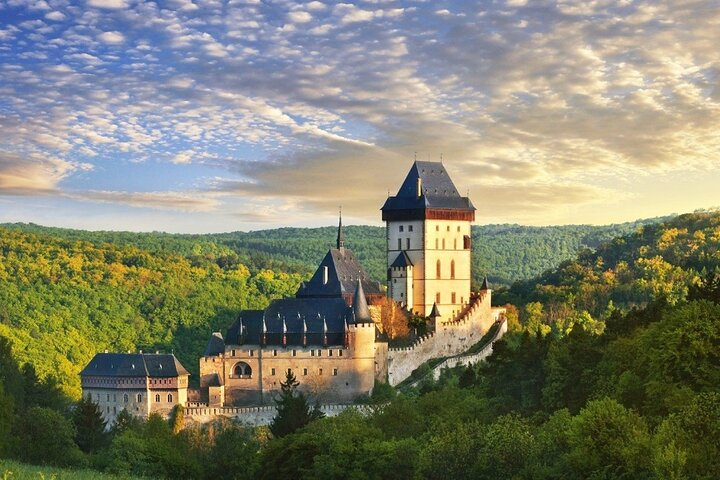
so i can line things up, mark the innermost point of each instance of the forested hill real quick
(506, 253)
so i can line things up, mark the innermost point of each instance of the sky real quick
(210, 116)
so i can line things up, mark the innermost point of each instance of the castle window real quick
(401, 228)
(233, 352)
(410, 228)
(452, 271)
(452, 296)
(289, 371)
(108, 397)
(329, 353)
(458, 228)
(304, 371)
(114, 409)
(312, 353)
(320, 371)
(335, 372)
(443, 244)
(437, 228)
(407, 244)
(157, 398)
(252, 352)
(437, 269)
(294, 353)
(242, 370)
(466, 242)
(108, 409)
(126, 398)
(114, 398)
(399, 243)
(274, 353)
(272, 371)
(437, 244)
(437, 298)
(401, 294)
(170, 398)
(139, 397)
(319, 353)
(339, 353)
(455, 244)
(448, 228)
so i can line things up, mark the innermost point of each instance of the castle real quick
(329, 334)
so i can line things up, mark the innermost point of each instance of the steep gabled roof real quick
(343, 272)
(215, 345)
(134, 365)
(402, 261)
(437, 190)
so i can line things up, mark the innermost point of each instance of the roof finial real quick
(340, 235)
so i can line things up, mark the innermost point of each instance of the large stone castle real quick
(329, 334)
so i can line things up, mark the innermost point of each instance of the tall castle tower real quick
(429, 243)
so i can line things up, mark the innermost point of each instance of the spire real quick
(360, 306)
(325, 329)
(485, 285)
(304, 332)
(340, 235)
(264, 332)
(434, 313)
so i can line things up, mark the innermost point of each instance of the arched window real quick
(169, 397)
(452, 269)
(139, 397)
(126, 398)
(157, 398)
(437, 270)
(242, 370)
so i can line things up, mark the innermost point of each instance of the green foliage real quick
(90, 434)
(43, 436)
(235, 455)
(293, 410)
(11, 470)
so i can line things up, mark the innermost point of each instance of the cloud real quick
(31, 175)
(186, 202)
(56, 16)
(108, 4)
(299, 17)
(112, 38)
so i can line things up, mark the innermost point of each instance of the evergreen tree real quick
(90, 434)
(177, 419)
(293, 410)
(125, 421)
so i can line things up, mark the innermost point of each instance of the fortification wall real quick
(449, 339)
(253, 416)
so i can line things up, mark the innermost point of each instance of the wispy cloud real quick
(315, 104)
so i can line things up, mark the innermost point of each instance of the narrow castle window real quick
(272, 371)
(437, 298)
(466, 242)
(401, 228)
(437, 228)
(294, 353)
(289, 371)
(274, 353)
(443, 244)
(319, 353)
(252, 352)
(458, 228)
(452, 296)
(437, 244)
(157, 398)
(139, 397)
(170, 399)
(126, 398)
(339, 353)
(399, 243)
(455, 244)
(329, 353)
(452, 271)
(335, 372)
(304, 371)
(312, 353)
(437, 269)
(407, 244)
(448, 228)
(320, 371)
(410, 228)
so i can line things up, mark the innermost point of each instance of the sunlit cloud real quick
(307, 105)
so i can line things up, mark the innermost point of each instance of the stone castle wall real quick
(450, 338)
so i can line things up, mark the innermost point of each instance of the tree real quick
(7, 408)
(90, 434)
(177, 418)
(235, 454)
(393, 320)
(45, 437)
(293, 411)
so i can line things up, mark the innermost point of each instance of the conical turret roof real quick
(360, 306)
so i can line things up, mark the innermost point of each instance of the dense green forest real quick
(610, 370)
(506, 253)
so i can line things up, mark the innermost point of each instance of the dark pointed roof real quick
(437, 191)
(402, 261)
(340, 236)
(434, 312)
(485, 285)
(215, 345)
(289, 317)
(134, 365)
(344, 270)
(361, 311)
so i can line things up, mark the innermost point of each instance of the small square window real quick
(252, 352)
(401, 228)
(410, 228)
(335, 372)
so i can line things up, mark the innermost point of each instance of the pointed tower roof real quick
(360, 306)
(426, 190)
(485, 285)
(434, 313)
(340, 235)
